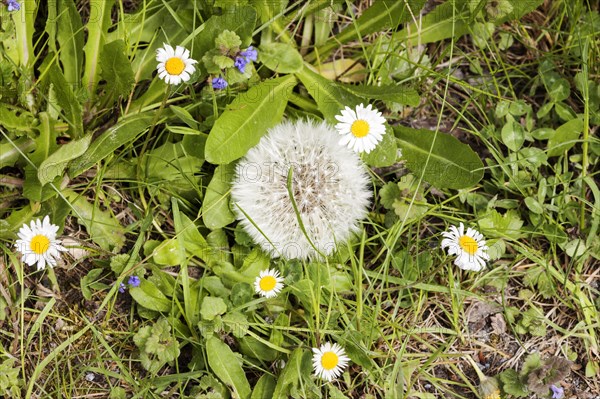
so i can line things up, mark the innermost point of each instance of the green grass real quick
(413, 324)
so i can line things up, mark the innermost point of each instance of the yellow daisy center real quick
(468, 244)
(267, 283)
(360, 128)
(174, 66)
(494, 395)
(39, 244)
(329, 360)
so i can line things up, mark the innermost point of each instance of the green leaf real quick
(444, 163)
(388, 194)
(70, 35)
(88, 280)
(64, 96)
(533, 205)
(56, 163)
(386, 152)
(331, 98)
(264, 388)
(290, 376)
(116, 70)
(228, 40)
(166, 254)
(103, 228)
(149, 296)
(565, 137)
(247, 119)
(513, 135)
(124, 132)
(512, 384)
(97, 28)
(226, 365)
(215, 208)
(397, 93)
(240, 20)
(280, 57)
(212, 307)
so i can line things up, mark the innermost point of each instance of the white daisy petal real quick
(268, 283)
(175, 65)
(329, 361)
(469, 247)
(366, 133)
(38, 244)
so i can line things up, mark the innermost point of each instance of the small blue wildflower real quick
(122, 288)
(219, 83)
(13, 5)
(240, 63)
(557, 392)
(134, 281)
(250, 54)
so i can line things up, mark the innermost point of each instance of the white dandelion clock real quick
(329, 361)
(268, 283)
(361, 128)
(329, 187)
(174, 65)
(38, 244)
(469, 248)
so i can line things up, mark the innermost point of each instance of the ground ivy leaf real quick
(212, 307)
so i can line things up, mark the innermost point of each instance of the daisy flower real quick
(268, 283)
(174, 66)
(329, 186)
(329, 360)
(361, 129)
(38, 244)
(469, 248)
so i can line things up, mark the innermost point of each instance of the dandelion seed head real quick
(329, 185)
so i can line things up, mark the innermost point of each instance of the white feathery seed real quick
(330, 186)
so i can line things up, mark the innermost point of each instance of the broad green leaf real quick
(45, 144)
(184, 115)
(9, 119)
(150, 297)
(280, 57)
(56, 163)
(226, 365)
(70, 35)
(170, 163)
(167, 254)
(87, 281)
(104, 229)
(97, 28)
(124, 132)
(215, 208)
(64, 96)
(565, 137)
(116, 69)
(386, 152)
(330, 97)
(397, 93)
(533, 205)
(290, 376)
(212, 307)
(443, 161)
(10, 152)
(24, 28)
(513, 135)
(264, 388)
(247, 119)
(382, 15)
